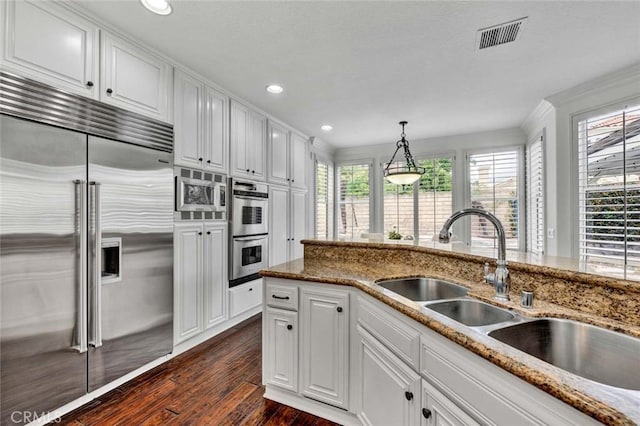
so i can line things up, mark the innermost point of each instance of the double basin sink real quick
(591, 352)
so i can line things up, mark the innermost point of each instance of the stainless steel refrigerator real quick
(86, 246)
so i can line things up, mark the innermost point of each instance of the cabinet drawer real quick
(282, 296)
(245, 297)
(404, 341)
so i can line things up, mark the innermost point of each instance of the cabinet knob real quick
(339, 309)
(199, 233)
(208, 232)
(89, 83)
(408, 395)
(109, 91)
(288, 179)
(248, 170)
(293, 180)
(208, 161)
(200, 159)
(250, 288)
(289, 327)
(426, 413)
(253, 171)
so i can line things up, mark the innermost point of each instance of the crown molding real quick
(532, 123)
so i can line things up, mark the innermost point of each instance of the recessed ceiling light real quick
(160, 7)
(275, 89)
(326, 128)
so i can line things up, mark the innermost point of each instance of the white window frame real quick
(314, 195)
(336, 194)
(521, 172)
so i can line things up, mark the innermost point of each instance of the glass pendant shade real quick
(399, 173)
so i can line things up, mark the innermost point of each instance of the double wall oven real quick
(248, 252)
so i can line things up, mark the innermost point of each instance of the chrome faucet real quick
(500, 278)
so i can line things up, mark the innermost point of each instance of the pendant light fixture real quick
(403, 174)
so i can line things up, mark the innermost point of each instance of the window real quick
(324, 200)
(432, 195)
(353, 200)
(535, 196)
(609, 185)
(494, 186)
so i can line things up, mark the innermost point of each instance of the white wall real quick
(457, 146)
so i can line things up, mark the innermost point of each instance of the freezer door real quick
(130, 258)
(42, 269)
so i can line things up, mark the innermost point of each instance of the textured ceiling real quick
(364, 66)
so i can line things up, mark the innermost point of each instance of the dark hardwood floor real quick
(215, 383)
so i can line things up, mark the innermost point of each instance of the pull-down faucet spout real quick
(500, 279)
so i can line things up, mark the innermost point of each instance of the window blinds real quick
(324, 200)
(609, 187)
(494, 186)
(398, 208)
(353, 200)
(535, 197)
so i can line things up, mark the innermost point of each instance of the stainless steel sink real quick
(591, 352)
(471, 312)
(424, 289)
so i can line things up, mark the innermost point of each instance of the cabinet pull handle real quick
(339, 309)
(289, 327)
(89, 83)
(426, 413)
(199, 233)
(280, 297)
(408, 395)
(109, 91)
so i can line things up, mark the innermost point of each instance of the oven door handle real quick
(250, 238)
(244, 197)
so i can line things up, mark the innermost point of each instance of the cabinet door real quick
(278, 225)
(299, 159)
(50, 44)
(298, 223)
(187, 281)
(324, 353)
(438, 410)
(278, 157)
(238, 144)
(133, 79)
(216, 139)
(215, 274)
(188, 120)
(390, 389)
(257, 146)
(281, 349)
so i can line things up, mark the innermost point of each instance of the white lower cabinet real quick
(281, 354)
(200, 278)
(381, 368)
(245, 297)
(324, 357)
(390, 390)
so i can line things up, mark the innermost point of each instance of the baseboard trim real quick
(312, 407)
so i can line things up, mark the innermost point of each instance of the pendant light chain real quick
(403, 175)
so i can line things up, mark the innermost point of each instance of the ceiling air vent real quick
(500, 34)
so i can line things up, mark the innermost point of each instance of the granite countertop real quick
(607, 404)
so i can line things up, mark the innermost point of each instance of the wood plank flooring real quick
(215, 383)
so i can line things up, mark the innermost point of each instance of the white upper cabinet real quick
(188, 98)
(216, 131)
(288, 157)
(133, 79)
(299, 161)
(200, 124)
(298, 209)
(248, 142)
(278, 154)
(46, 42)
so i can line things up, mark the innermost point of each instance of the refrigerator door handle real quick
(80, 340)
(96, 275)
